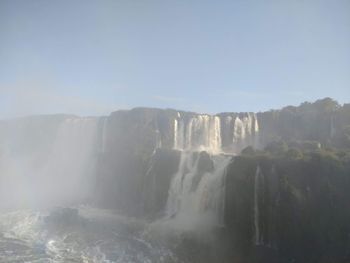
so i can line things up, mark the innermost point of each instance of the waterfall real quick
(210, 194)
(204, 133)
(238, 130)
(104, 134)
(71, 163)
(248, 124)
(256, 133)
(197, 196)
(179, 187)
(179, 130)
(54, 171)
(176, 127)
(198, 133)
(188, 134)
(258, 193)
(245, 132)
(215, 134)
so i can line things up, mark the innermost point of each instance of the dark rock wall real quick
(164, 164)
(304, 208)
(131, 138)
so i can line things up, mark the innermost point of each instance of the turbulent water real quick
(195, 197)
(79, 235)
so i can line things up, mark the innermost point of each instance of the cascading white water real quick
(176, 127)
(190, 200)
(258, 180)
(238, 130)
(179, 130)
(210, 194)
(245, 132)
(215, 134)
(188, 135)
(201, 132)
(204, 133)
(181, 183)
(181, 133)
(256, 133)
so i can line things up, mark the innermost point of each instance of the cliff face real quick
(295, 209)
(129, 140)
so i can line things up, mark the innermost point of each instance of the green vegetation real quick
(324, 121)
(304, 208)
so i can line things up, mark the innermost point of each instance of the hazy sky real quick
(92, 57)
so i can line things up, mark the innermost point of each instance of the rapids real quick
(78, 235)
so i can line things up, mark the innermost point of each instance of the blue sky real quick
(93, 57)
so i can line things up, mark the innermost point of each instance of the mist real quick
(47, 161)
